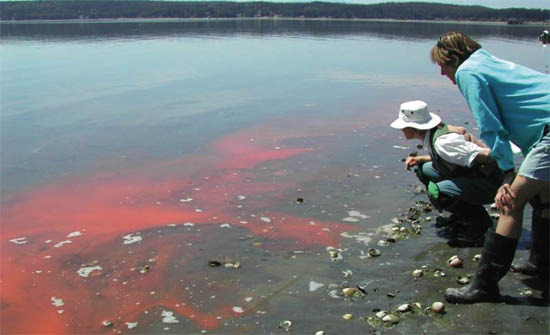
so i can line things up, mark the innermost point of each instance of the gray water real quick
(78, 96)
(154, 147)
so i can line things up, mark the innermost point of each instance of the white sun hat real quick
(415, 114)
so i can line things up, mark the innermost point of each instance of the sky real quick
(545, 4)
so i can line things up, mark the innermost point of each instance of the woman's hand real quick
(504, 199)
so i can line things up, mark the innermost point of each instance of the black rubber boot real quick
(538, 262)
(472, 226)
(496, 257)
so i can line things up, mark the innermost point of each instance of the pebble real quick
(381, 314)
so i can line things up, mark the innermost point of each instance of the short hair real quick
(453, 48)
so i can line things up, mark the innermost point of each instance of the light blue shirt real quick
(510, 102)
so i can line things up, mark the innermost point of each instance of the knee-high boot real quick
(496, 257)
(538, 262)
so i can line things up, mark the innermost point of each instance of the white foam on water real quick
(129, 239)
(168, 317)
(85, 271)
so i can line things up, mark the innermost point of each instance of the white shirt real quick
(453, 148)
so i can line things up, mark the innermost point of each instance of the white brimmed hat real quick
(415, 114)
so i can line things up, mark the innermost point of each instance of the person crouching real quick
(459, 174)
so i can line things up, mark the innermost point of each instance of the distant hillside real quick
(99, 9)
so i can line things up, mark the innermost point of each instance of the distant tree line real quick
(100, 9)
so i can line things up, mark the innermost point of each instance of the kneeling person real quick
(459, 174)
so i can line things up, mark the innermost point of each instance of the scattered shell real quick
(285, 324)
(439, 273)
(373, 252)
(438, 307)
(320, 332)
(455, 262)
(232, 264)
(362, 289)
(348, 291)
(107, 323)
(463, 280)
(404, 308)
(347, 316)
(417, 273)
(145, 269)
(390, 318)
(214, 264)
(381, 314)
(418, 305)
(391, 295)
(525, 292)
(347, 273)
(477, 258)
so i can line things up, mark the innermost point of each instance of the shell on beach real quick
(417, 273)
(391, 318)
(285, 324)
(373, 252)
(455, 262)
(349, 291)
(404, 308)
(347, 316)
(438, 307)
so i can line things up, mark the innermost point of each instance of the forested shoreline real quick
(99, 9)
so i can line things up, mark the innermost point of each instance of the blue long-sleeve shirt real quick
(510, 102)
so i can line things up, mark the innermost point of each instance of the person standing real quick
(510, 102)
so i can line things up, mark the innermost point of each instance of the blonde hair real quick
(453, 48)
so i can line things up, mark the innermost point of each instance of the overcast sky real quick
(487, 3)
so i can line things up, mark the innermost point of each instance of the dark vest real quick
(455, 170)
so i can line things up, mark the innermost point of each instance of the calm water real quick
(134, 152)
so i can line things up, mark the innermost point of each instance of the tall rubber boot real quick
(538, 262)
(496, 258)
(473, 214)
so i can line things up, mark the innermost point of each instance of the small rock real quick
(477, 258)
(299, 200)
(391, 295)
(320, 332)
(381, 314)
(107, 323)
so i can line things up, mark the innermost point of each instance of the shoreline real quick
(190, 19)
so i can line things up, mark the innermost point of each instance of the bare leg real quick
(510, 223)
